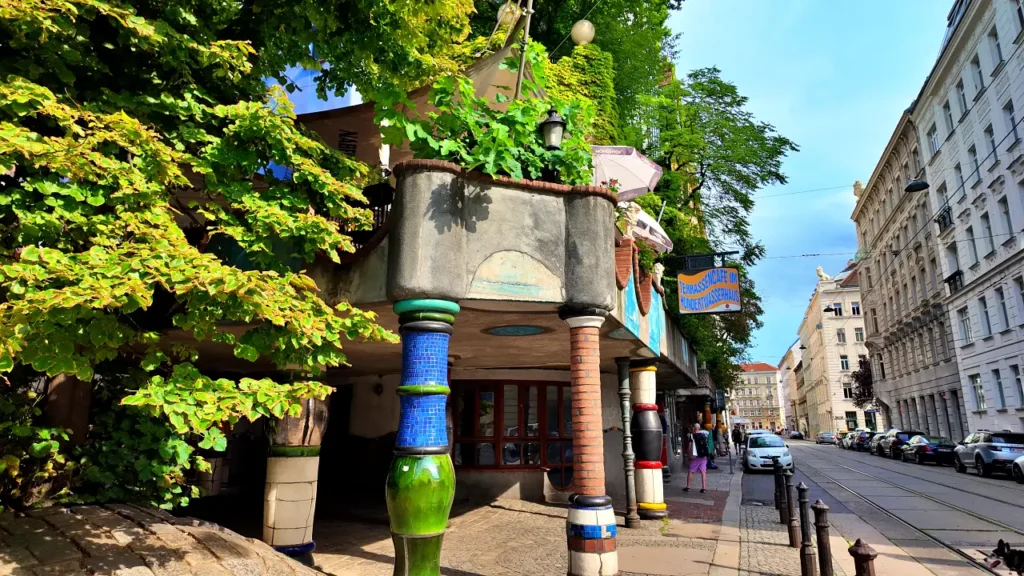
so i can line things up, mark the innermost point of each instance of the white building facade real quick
(968, 116)
(787, 385)
(832, 334)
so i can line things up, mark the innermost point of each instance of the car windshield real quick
(935, 440)
(826, 435)
(907, 435)
(766, 442)
(1008, 438)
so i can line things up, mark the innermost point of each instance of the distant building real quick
(832, 334)
(755, 397)
(787, 385)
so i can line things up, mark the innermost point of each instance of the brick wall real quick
(588, 440)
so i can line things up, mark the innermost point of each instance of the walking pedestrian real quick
(737, 437)
(698, 450)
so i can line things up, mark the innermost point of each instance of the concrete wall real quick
(457, 238)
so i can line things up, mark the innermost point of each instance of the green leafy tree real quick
(136, 146)
(863, 385)
(716, 155)
(634, 32)
(588, 73)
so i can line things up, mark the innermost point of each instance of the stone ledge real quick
(127, 540)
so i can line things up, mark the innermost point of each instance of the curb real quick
(726, 561)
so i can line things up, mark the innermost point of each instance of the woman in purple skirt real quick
(698, 457)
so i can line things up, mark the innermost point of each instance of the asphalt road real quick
(917, 507)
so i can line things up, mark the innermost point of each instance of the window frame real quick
(500, 438)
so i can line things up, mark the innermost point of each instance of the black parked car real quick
(923, 449)
(862, 440)
(894, 440)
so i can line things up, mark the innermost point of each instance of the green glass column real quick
(421, 483)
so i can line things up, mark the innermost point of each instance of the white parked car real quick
(761, 448)
(1018, 470)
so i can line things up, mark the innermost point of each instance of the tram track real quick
(957, 550)
(930, 481)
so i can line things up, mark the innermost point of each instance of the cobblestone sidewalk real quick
(764, 545)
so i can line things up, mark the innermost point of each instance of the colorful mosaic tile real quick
(587, 531)
(424, 358)
(422, 421)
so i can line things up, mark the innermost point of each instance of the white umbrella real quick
(647, 228)
(637, 174)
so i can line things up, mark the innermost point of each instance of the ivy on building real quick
(589, 73)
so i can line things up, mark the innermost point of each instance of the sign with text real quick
(709, 291)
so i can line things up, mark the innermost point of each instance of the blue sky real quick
(834, 77)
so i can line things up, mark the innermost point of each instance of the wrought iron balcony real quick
(955, 281)
(945, 218)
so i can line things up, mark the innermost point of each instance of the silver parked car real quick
(1018, 470)
(987, 451)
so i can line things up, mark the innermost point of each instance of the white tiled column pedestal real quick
(289, 502)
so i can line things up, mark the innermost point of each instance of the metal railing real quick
(955, 282)
(944, 218)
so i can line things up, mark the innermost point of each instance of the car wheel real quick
(892, 452)
(984, 470)
(903, 456)
(1018, 474)
(920, 459)
(958, 465)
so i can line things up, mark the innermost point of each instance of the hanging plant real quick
(645, 256)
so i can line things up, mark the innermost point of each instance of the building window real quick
(1015, 370)
(1004, 315)
(990, 139)
(841, 335)
(934, 267)
(972, 155)
(858, 334)
(978, 75)
(1019, 283)
(855, 308)
(979, 392)
(965, 325)
(851, 420)
(1020, 14)
(986, 324)
(847, 390)
(874, 321)
(933, 140)
(947, 113)
(972, 246)
(844, 362)
(837, 308)
(986, 229)
(997, 381)
(961, 96)
(915, 156)
(958, 177)
(997, 50)
(1011, 122)
(1004, 212)
(881, 366)
(533, 427)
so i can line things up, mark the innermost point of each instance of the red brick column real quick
(585, 375)
(590, 527)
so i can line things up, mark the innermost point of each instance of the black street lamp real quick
(552, 129)
(829, 309)
(916, 186)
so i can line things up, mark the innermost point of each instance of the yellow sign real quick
(710, 291)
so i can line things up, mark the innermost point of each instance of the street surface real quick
(928, 513)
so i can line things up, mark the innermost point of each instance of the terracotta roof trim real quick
(758, 367)
(530, 185)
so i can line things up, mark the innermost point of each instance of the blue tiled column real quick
(421, 483)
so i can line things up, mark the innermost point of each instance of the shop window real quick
(530, 429)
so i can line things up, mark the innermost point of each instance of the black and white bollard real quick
(779, 485)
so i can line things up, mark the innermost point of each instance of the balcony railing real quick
(945, 218)
(955, 281)
(378, 199)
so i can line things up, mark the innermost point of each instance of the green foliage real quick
(645, 256)
(715, 156)
(33, 465)
(131, 456)
(588, 73)
(111, 114)
(863, 385)
(634, 32)
(499, 138)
